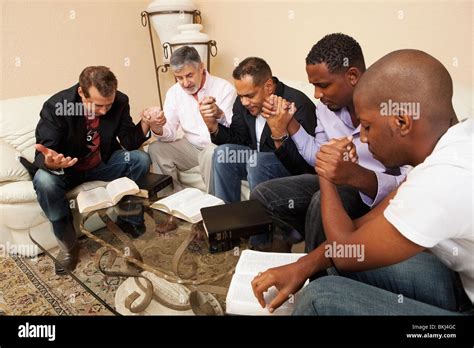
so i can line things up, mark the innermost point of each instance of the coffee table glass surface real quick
(137, 240)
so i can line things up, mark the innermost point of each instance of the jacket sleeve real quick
(288, 153)
(48, 132)
(130, 135)
(237, 133)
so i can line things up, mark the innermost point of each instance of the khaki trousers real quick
(169, 157)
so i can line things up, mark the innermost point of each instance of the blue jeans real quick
(421, 285)
(233, 163)
(51, 189)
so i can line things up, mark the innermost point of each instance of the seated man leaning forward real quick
(77, 141)
(334, 66)
(379, 258)
(196, 96)
(250, 148)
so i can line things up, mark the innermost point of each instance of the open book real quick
(186, 204)
(104, 197)
(240, 298)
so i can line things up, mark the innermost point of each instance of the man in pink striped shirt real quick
(197, 95)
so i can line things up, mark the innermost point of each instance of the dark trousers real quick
(294, 203)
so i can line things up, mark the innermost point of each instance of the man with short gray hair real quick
(197, 95)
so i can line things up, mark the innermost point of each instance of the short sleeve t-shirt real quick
(434, 206)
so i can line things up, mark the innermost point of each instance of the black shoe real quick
(266, 247)
(67, 260)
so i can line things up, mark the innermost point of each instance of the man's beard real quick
(191, 90)
(334, 107)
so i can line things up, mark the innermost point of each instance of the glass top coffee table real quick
(143, 261)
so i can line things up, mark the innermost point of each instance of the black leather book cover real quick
(154, 183)
(235, 220)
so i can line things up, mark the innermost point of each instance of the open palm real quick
(54, 160)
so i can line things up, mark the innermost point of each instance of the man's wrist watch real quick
(282, 138)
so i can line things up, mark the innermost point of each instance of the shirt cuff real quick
(222, 120)
(57, 172)
(386, 183)
(300, 138)
(305, 145)
(159, 136)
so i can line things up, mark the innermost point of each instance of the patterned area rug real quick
(31, 287)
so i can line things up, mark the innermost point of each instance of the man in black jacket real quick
(249, 149)
(77, 141)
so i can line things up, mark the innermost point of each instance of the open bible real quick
(186, 204)
(240, 298)
(111, 194)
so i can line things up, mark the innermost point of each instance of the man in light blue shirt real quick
(334, 66)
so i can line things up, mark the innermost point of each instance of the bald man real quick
(404, 105)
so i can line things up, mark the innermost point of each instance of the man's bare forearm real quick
(315, 261)
(364, 180)
(337, 223)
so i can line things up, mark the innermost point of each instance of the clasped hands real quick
(336, 160)
(210, 113)
(278, 112)
(154, 118)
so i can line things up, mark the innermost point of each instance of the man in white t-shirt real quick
(197, 95)
(404, 105)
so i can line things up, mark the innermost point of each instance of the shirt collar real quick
(204, 88)
(344, 115)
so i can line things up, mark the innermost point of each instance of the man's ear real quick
(403, 123)
(353, 75)
(81, 93)
(268, 87)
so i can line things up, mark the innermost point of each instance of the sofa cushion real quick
(11, 170)
(23, 192)
(18, 120)
(15, 192)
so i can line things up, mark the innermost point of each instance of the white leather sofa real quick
(19, 208)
